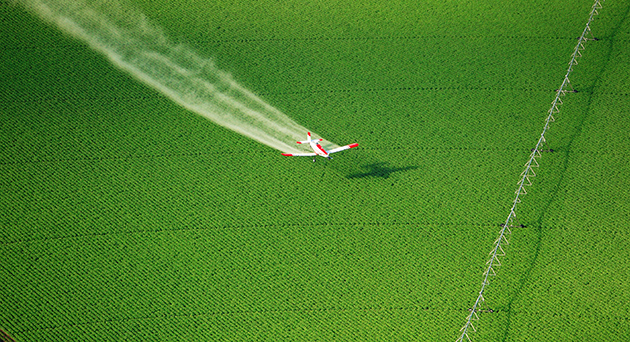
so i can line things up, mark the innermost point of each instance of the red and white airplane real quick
(318, 150)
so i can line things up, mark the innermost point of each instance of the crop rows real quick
(128, 218)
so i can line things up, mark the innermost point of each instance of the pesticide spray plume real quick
(127, 38)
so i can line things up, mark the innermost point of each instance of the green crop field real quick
(126, 217)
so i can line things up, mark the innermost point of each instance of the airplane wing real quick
(299, 154)
(342, 148)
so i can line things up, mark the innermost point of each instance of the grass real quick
(127, 217)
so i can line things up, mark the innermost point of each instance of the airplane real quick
(318, 150)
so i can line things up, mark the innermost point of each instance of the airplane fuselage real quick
(318, 149)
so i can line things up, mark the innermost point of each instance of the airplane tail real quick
(309, 139)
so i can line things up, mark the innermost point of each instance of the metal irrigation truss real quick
(525, 180)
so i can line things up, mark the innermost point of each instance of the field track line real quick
(315, 91)
(271, 311)
(242, 312)
(312, 39)
(295, 310)
(299, 92)
(410, 37)
(244, 226)
(189, 228)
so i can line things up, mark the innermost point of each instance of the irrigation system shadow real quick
(380, 170)
(565, 164)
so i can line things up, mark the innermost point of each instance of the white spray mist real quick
(127, 38)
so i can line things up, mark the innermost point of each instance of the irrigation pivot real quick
(525, 180)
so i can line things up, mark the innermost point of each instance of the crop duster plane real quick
(318, 150)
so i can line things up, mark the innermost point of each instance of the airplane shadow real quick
(380, 170)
